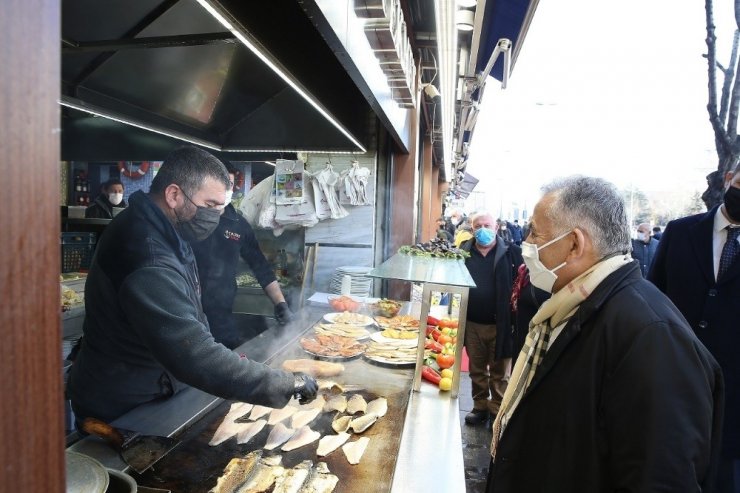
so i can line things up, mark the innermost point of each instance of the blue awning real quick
(503, 19)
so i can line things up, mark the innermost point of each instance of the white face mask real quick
(229, 194)
(115, 198)
(539, 275)
(641, 236)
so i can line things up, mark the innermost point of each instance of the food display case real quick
(396, 459)
(436, 275)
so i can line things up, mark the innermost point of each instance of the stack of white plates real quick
(360, 284)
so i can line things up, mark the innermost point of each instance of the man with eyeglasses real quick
(612, 391)
(145, 334)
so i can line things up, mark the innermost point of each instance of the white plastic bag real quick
(320, 203)
(251, 205)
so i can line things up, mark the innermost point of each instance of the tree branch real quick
(731, 86)
(724, 144)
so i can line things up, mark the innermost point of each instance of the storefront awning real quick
(507, 19)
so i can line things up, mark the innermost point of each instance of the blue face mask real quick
(484, 236)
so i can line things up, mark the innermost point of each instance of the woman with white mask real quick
(111, 196)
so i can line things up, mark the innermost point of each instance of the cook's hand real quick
(283, 313)
(305, 388)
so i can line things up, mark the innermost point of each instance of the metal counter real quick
(431, 419)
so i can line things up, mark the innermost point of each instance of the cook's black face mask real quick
(732, 203)
(201, 225)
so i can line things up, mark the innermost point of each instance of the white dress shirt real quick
(719, 237)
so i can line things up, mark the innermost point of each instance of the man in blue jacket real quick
(145, 333)
(698, 266)
(643, 248)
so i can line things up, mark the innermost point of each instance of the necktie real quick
(729, 251)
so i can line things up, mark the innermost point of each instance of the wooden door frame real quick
(31, 406)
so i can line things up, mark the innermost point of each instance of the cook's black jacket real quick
(145, 331)
(218, 257)
(626, 399)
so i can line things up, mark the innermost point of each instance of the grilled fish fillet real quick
(341, 423)
(236, 473)
(227, 430)
(354, 450)
(336, 403)
(250, 430)
(362, 423)
(278, 435)
(378, 407)
(330, 443)
(313, 367)
(302, 437)
(292, 479)
(356, 404)
(228, 427)
(320, 480)
(302, 418)
(237, 410)
(263, 476)
(278, 415)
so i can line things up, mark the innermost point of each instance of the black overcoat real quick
(626, 399)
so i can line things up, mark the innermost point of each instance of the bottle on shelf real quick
(281, 263)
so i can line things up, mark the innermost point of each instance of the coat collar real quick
(142, 206)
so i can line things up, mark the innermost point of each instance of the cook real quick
(111, 196)
(217, 257)
(145, 334)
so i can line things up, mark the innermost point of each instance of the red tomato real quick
(445, 360)
(444, 339)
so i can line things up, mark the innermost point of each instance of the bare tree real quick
(724, 121)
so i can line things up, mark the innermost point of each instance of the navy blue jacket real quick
(684, 270)
(625, 399)
(145, 334)
(218, 257)
(644, 253)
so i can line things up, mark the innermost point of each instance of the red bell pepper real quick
(430, 375)
(434, 346)
(432, 321)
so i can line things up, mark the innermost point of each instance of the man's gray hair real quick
(593, 205)
(477, 214)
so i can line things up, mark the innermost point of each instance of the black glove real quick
(283, 313)
(305, 388)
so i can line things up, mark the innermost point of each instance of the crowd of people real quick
(600, 362)
(591, 345)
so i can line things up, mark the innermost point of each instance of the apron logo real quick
(230, 235)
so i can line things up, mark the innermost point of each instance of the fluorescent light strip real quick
(444, 11)
(97, 112)
(225, 22)
(291, 150)
(81, 107)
